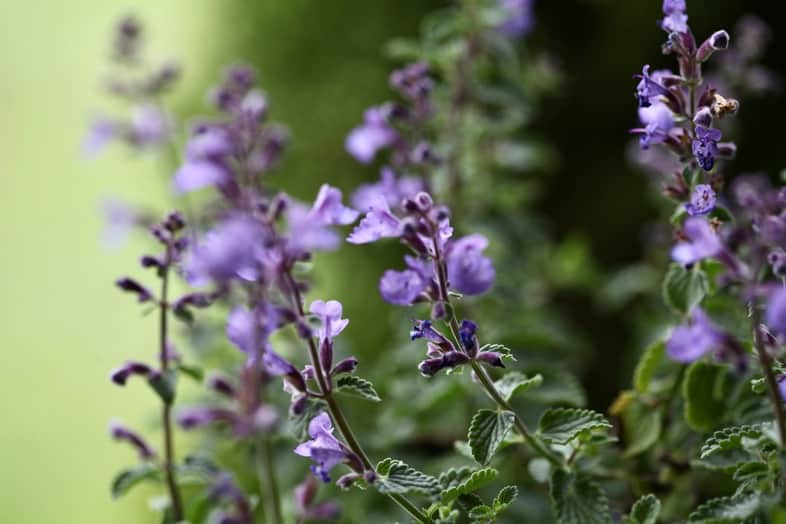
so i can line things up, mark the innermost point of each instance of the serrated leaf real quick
(561, 425)
(730, 438)
(727, 510)
(487, 431)
(751, 472)
(483, 513)
(648, 363)
(705, 391)
(504, 351)
(128, 478)
(515, 381)
(684, 288)
(644, 511)
(578, 500)
(464, 481)
(505, 498)
(641, 427)
(395, 476)
(357, 387)
(729, 447)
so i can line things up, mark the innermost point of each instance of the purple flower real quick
(150, 126)
(451, 359)
(425, 329)
(306, 509)
(702, 200)
(379, 222)
(389, 188)
(648, 87)
(467, 336)
(309, 228)
(364, 141)
(705, 146)
(277, 365)
(469, 271)
(230, 250)
(129, 285)
(692, 340)
(520, 18)
(702, 242)
(119, 219)
(401, 288)
(329, 314)
(204, 164)
(658, 120)
(323, 448)
(99, 134)
(776, 312)
(249, 329)
(328, 209)
(676, 20)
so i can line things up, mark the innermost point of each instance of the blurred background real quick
(64, 326)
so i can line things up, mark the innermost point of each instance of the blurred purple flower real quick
(695, 338)
(648, 87)
(100, 133)
(306, 509)
(520, 17)
(390, 188)
(702, 200)
(469, 271)
(248, 329)
(703, 242)
(775, 317)
(375, 133)
(379, 222)
(230, 250)
(676, 19)
(657, 120)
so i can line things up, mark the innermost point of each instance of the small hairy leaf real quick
(727, 510)
(730, 438)
(561, 425)
(487, 431)
(641, 427)
(505, 498)
(463, 481)
(578, 500)
(128, 478)
(395, 476)
(517, 382)
(357, 387)
(730, 447)
(482, 513)
(505, 352)
(648, 363)
(644, 511)
(705, 390)
(684, 288)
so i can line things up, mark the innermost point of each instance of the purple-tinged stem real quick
(769, 377)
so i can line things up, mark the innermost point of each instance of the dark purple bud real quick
(132, 286)
(703, 117)
(279, 205)
(439, 311)
(347, 365)
(370, 476)
(221, 385)
(424, 329)
(148, 261)
(430, 367)
(326, 354)
(346, 481)
(727, 150)
(467, 336)
(441, 214)
(491, 358)
(196, 417)
(717, 41)
(122, 433)
(777, 260)
(409, 205)
(198, 300)
(298, 405)
(120, 375)
(279, 366)
(174, 221)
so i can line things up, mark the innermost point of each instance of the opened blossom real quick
(374, 134)
(695, 338)
(702, 242)
(324, 448)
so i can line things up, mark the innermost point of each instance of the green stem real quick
(338, 415)
(267, 478)
(769, 377)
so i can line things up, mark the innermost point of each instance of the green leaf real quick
(487, 431)
(727, 510)
(357, 387)
(192, 371)
(463, 481)
(483, 513)
(729, 447)
(578, 500)
(505, 352)
(516, 381)
(505, 498)
(298, 424)
(705, 390)
(395, 476)
(644, 511)
(648, 363)
(561, 425)
(128, 478)
(163, 384)
(684, 288)
(641, 427)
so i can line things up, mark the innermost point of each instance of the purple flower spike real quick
(374, 134)
(776, 312)
(702, 242)
(228, 251)
(379, 222)
(469, 271)
(249, 329)
(705, 147)
(702, 200)
(119, 432)
(692, 340)
(658, 121)
(329, 313)
(323, 448)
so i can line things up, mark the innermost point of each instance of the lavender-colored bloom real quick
(197, 175)
(119, 219)
(230, 250)
(204, 165)
(402, 288)
(703, 242)
(249, 329)
(438, 343)
(375, 133)
(379, 222)
(705, 146)
(469, 271)
(491, 358)
(309, 229)
(100, 133)
(717, 41)
(328, 209)
(702, 200)
(676, 20)
(776, 312)
(323, 448)
(329, 314)
(658, 120)
(150, 126)
(648, 87)
(694, 339)
(520, 18)
(389, 188)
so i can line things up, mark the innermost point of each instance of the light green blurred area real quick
(64, 326)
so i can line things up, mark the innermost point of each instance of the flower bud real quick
(347, 365)
(719, 40)
(221, 385)
(703, 117)
(132, 286)
(491, 358)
